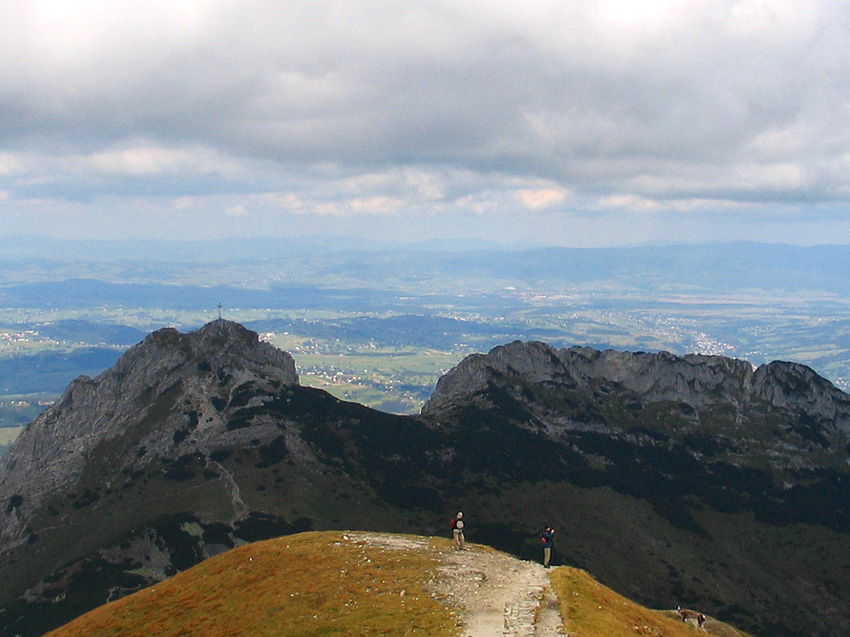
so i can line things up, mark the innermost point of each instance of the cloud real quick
(9, 164)
(539, 198)
(376, 205)
(399, 107)
(237, 211)
(146, 160)
(631, 202)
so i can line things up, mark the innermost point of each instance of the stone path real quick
(501, 595)
(495, 595)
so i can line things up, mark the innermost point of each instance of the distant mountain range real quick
(696, 481)
(708, 267)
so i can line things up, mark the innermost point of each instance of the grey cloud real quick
(598, 102)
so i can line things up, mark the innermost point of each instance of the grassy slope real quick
(324, 583)
(306, 584)
(593, 610)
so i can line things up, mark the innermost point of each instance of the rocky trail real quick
(502, 595)
(495, 594)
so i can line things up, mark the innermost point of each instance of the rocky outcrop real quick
(694, 379)
(781, 411)
(166, 397)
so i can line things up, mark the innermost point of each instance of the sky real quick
(562, 122)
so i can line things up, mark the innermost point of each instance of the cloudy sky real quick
(569, 122)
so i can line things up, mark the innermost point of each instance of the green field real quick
(395, 379)
(8, 434)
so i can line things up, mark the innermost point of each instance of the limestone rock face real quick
(169, 394)
(694, 378)
(781, 410)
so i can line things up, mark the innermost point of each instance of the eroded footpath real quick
(493, 593)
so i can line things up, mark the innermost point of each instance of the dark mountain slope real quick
(747, 470)
(696, 481)
(189, 445)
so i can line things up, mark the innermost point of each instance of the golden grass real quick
(590, 609)
(306, 584)
(339, 583)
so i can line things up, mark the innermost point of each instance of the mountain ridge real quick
(212, 443)
(689, 383)
(136, 377)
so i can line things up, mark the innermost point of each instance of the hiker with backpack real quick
(457, 532)
(548, 539)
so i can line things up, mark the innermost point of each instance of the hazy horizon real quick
(25, 245)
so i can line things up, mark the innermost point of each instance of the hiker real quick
(457, 531)
(548, 539)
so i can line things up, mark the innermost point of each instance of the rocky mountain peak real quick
(778, 403)
(219, 345)
(694, 378)
(162, 398)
